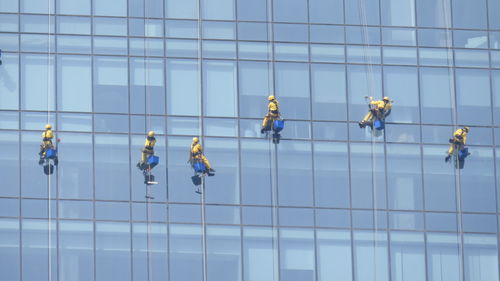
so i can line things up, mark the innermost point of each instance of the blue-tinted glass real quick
(107, 8)
(260, 261)
(326, 33)
(479, 223)
(438, 57)
(219, 49)
(145, 8)
(297, 130)
(156, 212)
(470, 39)
(111, 165)
(254, 50)
(403, 133)
(367, 175)
(252, 31)
(401, 84)
(495, 59)
(112, 254)
(291, 32)
(72, 7)
(398, 12)
(149, 251)
(109, 123)
(256, 173)
(8, 6)
(9, 23)
(399, 36)
(181, 48)
(37, 91)
(333, 250)
(333, 218)
(362, 35)
(404, 180)
(439, 179)
(218, 9)
(74, 44)
(223, 156)
(73, 25)
(34, 208)
(110, 26)
(9, 207)
(296, 217)
(147, 91)
(183, 125)
(76, 255)
(481, 257)
(362, 12)
(9, 253)
(478, 181)
(35, 254)
(370, 255)
(407, 256)
(34, 182)
(258, 215)
(110, 84)
(9, 120)
(219, 84)
(494, 21)
(291, 52)
(436, 95)
(406, 220)
(181, 188)
(295, 173)
(473, 109)
(219, 30)
(184, 213)
(223, 252)
(183, 84)
(38, 7)
(443, 261)
(494, 40)
(253, 88)
(441, 221)
(75, 171)
(220, 127)
(481, 136)
(76, 209)
(368, 219)
(185, 252)
(112, 211)
(363, 54)
(326, 11)
(181, 28)
(9, 81)
(406, 56)
(471, 58)
(331, 178)
(495, 85)
(290, 10)
(328, 92)
(10, 42)
(151, 47)
(10, 163)
(467, 14)
(187, 9)
(110, 46)
(222, 214)
(327, 53)
(297, 262)
(434, 38)
(329, 131)
(74, 83)
(434, 13)
(292, 89)
(252, 10)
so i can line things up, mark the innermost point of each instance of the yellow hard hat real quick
(48, 126)
(466, 128)
(386, 98)
(271, 97)
(195, 140)
(151, 134)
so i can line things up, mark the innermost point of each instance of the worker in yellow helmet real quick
(197, 155)
(273, 113)
(148, 150)
(457, 142)
(378, 108)
(46, 144)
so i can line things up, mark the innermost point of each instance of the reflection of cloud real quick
(6, 79)
(406, 138)
(477, 42)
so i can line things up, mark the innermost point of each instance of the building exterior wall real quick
(330, 202)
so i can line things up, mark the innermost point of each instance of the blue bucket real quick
(199, 167)
(378, 124)
(278, 125)
(153, 160)
(50, 153)
(463, 153)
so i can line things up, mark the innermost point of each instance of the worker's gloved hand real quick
(450, 140)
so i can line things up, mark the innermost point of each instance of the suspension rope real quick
(370, 83)
(273, 156)
(200, 136)
(454, 117)
(50, 168)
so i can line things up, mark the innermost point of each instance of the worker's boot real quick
(447, 158)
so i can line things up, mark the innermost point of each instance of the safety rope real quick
(273, 156)
(200, 136)
(50, 168)
(370, 83)
(454, 117)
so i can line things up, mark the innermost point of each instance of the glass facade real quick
(330, 202)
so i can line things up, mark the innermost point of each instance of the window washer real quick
(458, 142)
(197, 155)
(272, 114)
(378, 109)
(46, 144)
(148, 150)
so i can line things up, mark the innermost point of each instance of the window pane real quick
(480, 257)
(112, 255)
(362, 81)
(295, 173)
(442, 257)
(35, 252)
(436, 94)
(473, 109)
(362, 12)
(495, 84)
(467, 14)
(292, 89)
(185, 252)
(434, 13)
(253, 88)
(110, 84)
(401, 84)
(187, 9)
(36, 83)
(219, 84)
(259, 259)
(290, 10)
(147, 91)
(328, 92)
(252, 10)
(76, 255)
(326, 11)
(223, 253)
(297, 262)
(407, 256)
(8, 6)
(334, 255)
(74, 83)
(110, 8)
(398, 12)
(73, 7)
(370, 256)
(218, 9)
(256, 172)
(183, 84)
(9, 249)
(9, 82)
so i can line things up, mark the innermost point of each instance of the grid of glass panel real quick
(330, 202)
